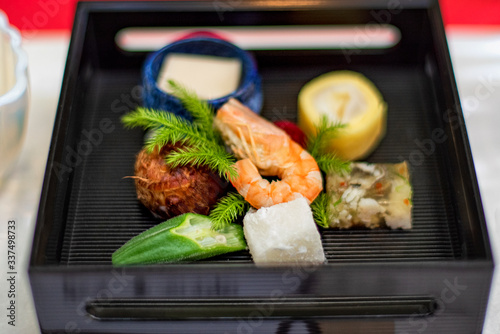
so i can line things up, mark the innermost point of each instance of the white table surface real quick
(476, 61)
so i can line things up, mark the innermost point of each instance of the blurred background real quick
(29, 15)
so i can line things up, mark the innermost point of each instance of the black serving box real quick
(434, 278)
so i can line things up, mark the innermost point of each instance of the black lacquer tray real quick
(434, 278)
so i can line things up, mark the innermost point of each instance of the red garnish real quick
(293, 131)
(406, 201)
(342, 184)
(378, 185)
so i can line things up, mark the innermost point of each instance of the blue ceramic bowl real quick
(249, 92)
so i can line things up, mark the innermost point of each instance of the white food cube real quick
(210, 77)
(283, 234)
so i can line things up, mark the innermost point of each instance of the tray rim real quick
(67, 295)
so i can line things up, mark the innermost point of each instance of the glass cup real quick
(14, 95)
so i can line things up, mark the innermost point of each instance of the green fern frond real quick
(321, 211)
(149, 118)
(173, 135)
(325, 131)
(227, 210)
(330, 163)
(210, 155)
(316, 146)
(168, 128)
(201, 111)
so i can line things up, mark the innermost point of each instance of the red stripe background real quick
(58, 14)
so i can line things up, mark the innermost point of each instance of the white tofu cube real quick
(210, 77)
(283, 234)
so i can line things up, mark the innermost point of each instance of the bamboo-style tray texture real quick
(103, 212)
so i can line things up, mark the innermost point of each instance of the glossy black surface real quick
(432, 279)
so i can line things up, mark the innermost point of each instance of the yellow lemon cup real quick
(349, 98)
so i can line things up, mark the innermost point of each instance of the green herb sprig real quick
(203, 145)
(200, 110)
(167, 128)
(227, 210)
(214, 157)
(330, 163)
(321, 209)
(316, 146)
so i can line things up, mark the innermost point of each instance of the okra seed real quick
(220, 239)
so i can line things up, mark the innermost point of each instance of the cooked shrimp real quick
(266, 150)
